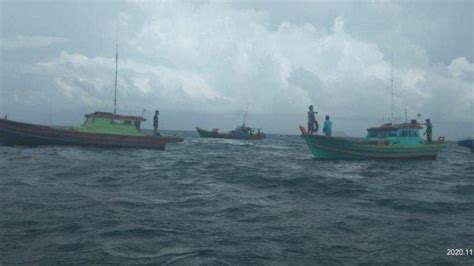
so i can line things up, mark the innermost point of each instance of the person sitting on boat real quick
(429, 130)
(155, 123)
(312, 123)
(327, 128)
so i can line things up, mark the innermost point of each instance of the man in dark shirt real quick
(429, 130)
(155, 123)
(312, 123)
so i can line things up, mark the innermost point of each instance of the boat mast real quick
(115, 83)
(391, 85)
(245, 116)
(406, 116)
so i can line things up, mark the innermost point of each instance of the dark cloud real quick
(211, 59)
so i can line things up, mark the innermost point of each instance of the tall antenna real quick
(391, 85)
(50, 110)
(245, 116)
(406, 116)
(116, 64)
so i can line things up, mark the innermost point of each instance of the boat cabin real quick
(244, 130)
(109, 123)
(404, 134)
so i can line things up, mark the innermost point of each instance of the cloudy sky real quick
(201, 63)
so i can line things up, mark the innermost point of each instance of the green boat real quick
(100, 129)
(390, 141)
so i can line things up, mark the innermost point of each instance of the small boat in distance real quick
(389, 141)
(468, 143)
(240, 132)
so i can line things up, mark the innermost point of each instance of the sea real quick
(232, 202)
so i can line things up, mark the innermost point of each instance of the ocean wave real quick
(229, 202)
(418, 206)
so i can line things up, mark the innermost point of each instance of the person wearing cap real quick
(312, 123)
(327, 128)
(155, 123)
(429, 130)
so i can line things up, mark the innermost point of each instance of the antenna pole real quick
(391, 86)
(115, 83)
(406, 116)
(245, 116)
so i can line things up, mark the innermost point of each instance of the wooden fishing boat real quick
(468, 143)
(100, 129)
(240, 132)
(390, 141)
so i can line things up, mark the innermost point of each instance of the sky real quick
(202, 62)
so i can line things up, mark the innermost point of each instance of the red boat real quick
(100, 130)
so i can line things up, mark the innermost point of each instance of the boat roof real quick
(247, 128)
(116, 117)
(389, 126)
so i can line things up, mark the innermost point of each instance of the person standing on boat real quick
(327, 128)
(155, 123)
(429, 130)
(312, 123)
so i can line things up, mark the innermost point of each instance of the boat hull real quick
(468, 143)
(334, 148)
(209, 134)
(24, 134)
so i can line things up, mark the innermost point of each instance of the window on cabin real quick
(137, 124)
(382, 134)
(372, 134)
(393, 133)
(413, 133)
(127, 122)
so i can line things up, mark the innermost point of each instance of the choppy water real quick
(231, 202)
